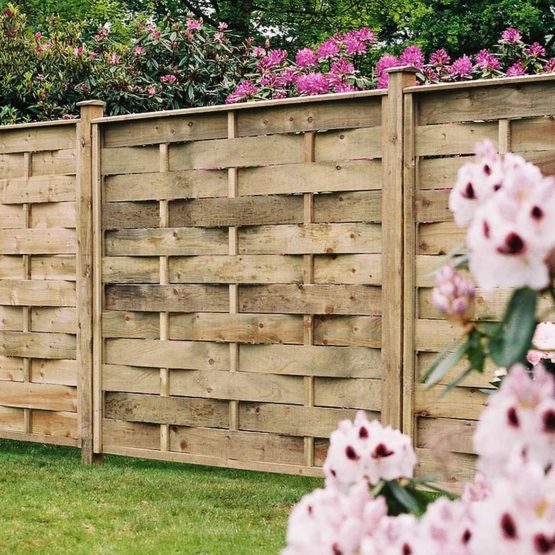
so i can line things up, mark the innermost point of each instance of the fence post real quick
(90, 110)
(393, 244)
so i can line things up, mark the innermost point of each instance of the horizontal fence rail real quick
(222, 285)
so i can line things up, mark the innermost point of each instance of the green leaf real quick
(514, 339)
(403, 497)
(445, 361)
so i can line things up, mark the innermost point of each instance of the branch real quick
(199, 13)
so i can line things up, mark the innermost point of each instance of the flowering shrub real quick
(174, 64)
(334, 66)
(508, 509)
(508, 206)
(165, 66)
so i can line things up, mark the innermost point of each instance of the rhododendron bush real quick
(371, 504)
(176, 63)
(334, 66)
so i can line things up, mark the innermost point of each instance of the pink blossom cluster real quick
(509, 207)
(509, 509)
(312, 69)
(367, 451)
(453, 293)
(330, 67)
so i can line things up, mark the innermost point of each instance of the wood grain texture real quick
(167, 298)
(168, 354)
(311, 299)
(182, 411)
(311, 239)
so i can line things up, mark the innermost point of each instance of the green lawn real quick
(50, 503)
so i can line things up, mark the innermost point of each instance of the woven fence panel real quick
(241, 269)
(38, 367)
(447, 124)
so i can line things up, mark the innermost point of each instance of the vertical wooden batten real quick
(409, 266)
(392, 233)
(85, 265)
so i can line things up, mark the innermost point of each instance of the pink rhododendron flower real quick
(222, 26)
(535, 50)
(476, 183)
(114, 59)
(38, 36)
(168, 78)
(271, 60)
(511, 35)
(194, 25)
(354, 44)
(385, 62)
(412, 56)
(139, 50)
(549, 66)
(462, 67)
(365, 34)
(342, 67)
(258, 52)
(306, 58)
(364, 450)
(511, 239)
(155, 34)
(440, 58)
(287, 77)
(246, 89)
(515, 70)
(312, 84)
(544, 337)
(453, 293)
(151, 90)
(328, 521)
(328, 49)
(518, 422)
(487, 61)
(78, 51)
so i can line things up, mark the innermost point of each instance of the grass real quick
(50, 503)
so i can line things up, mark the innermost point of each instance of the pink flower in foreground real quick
(328, 521)
(461, 68)
(518, 421)
(511, 35)
(476, 183)
(515, 70)
(312, 84)
(368, 451)
(306, 58)
(328, 49)
(412, 56)
(440, 58)
(511, 238)
(453, 293)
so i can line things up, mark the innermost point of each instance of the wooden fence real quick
(221, 285)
